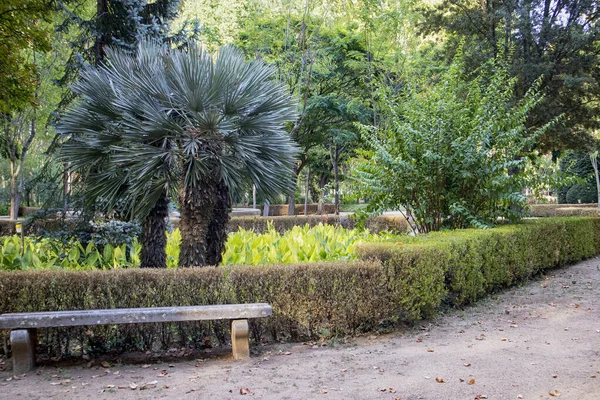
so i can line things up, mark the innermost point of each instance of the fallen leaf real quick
(461, 380)
(520, 396)
(419, 340)
(440, 380)
(164, 372)
(345, 370)
(554, 393)
(593, 376)
(555, 376)
(504, 339)
(480, 396)
(110, 386)
(471, 381)
(133, 386)
(430, 350)
(323, 391)
(245, 391)
(467, 364)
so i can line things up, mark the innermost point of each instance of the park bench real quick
(23, 325)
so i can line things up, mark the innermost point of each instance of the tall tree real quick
(556, 41)
(124, 23)
(183, 122)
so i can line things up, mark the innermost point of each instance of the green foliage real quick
(582, 190)
(244, 247)
(411, 280)
(455, 153)
(564, 210)
(462, 266)
(24, 28)
(553, 42)
(56, 254)
(298, 245)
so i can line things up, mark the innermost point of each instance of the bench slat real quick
(133, 315)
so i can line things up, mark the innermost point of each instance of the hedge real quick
(402, 281)
(281, 224)
(564, 210)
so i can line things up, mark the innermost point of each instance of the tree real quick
(23, 28)
(555, 42)
(183, 123)
(123, 24)
(582, 189)
(454, 153)
(594, 160)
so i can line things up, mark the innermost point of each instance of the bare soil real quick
(537, 341)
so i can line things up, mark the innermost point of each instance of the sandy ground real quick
(537, 341)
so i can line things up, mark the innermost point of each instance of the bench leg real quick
(22, 343)
(239, 339)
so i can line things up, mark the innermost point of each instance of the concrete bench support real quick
(22, 343)
(239, 339)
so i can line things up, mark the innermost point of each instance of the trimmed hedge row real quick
(460, 267)
(393, 282)
(278, 210)
(564, 210)
(281, 224)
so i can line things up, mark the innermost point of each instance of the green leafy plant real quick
(454, 154)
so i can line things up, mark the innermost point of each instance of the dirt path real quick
(537, 341)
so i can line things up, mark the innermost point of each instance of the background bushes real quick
(393, 281)
(564, 210)
(392, 223)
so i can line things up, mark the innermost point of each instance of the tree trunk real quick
(217, 230)
(292, 201)
(14, 195)
(307, 191)
(154, 236)
(197, 207)
(336, 156)
(594, 159)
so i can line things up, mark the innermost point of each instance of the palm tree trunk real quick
(197, 208)
(217, 230)
(154, 236)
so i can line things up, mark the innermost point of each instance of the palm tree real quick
(164, 123)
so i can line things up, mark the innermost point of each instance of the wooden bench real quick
(23, 325)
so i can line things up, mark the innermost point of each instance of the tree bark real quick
(197, 207)
(336, 156)
(154, 236)
(217, 229)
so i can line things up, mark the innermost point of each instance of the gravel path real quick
(537, 341)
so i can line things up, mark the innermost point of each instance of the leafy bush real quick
(391, 223)
(455, 153)
(56, 254)
(578, 164)
(564, 210)
(300, 244)
(406, 281)
(471, 263)
(582, 193)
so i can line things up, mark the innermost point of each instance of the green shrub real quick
(394, 281)
(473, 262)
(391, 223)
(582, 193)
(564, 210)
